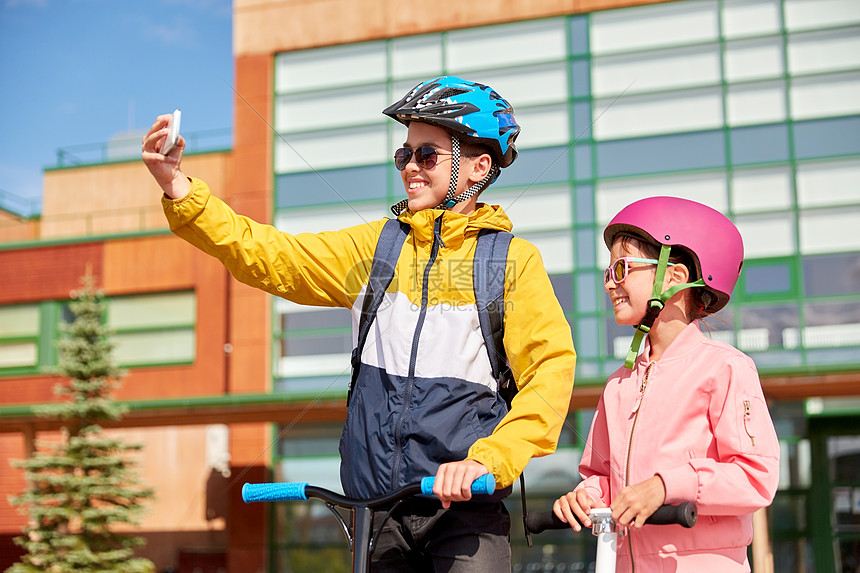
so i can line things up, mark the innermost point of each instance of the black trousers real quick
(421, 537)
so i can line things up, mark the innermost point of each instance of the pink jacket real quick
(698, 419)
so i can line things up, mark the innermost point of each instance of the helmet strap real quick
(656, 304)
(451, 198)
(455, 175)
(474, 189)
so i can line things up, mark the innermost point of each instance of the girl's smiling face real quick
(630, 298)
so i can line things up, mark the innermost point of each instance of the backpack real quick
(488, 278)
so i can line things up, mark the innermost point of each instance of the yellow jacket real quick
(429, 396)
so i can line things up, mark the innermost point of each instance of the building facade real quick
(750, 106)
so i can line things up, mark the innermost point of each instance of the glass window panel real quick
(317, 151)
(506, 45)
(831, 183)
(586, 292)
(532, 85)
(756, 103)
(760, 279)
(582, 161)
(315, 318)
(562, 285)
(581, 71)
(312, 386)
(773, 320)
(416, 56)
(584, 204)
(824, 52)
(308, 441)
(708, 188)
(556, 249)
(659, 113)
(534, 166)
(582, 120)
(330, 67)
(168, 309)
(619, 338)
(809, 14)
(585, 248)
(324, 471)
(543, 126)
(759, 144)
(828, 137)
(579, 34)
(720, 326)
(338, 186)
(535, 209)
(766, 235)
(761, 189)
(587, 338)
(329, 219)
(660, 154)
(155, 347)
(754, 59)
(824, 96)
(314, 365)
(315, 345)
(22, 354)
(832, 324)
(831, 274)
(650, 26)
(314, 110)
(829, 231)
(19, 320)
(654, 71)
(751, 17)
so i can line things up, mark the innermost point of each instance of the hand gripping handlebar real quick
(684, 514)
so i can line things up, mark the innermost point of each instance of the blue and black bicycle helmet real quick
(468, 110)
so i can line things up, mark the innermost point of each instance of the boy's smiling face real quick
(426, 188)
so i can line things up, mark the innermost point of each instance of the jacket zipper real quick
(413, 357)
(748, 421)
(630, 450)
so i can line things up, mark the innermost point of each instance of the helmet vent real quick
(667, 237)
(449, 92)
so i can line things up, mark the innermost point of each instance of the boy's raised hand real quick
(165, 168)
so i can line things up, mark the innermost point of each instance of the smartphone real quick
(172, 133)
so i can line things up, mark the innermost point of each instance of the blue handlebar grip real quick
(485, 484)
(274, 491)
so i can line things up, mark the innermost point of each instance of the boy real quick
(425, 401)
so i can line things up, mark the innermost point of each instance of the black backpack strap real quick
(488, 276)
(388, 248)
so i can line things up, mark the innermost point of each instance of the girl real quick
(686, 420)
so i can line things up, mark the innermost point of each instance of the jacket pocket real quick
(756, 432)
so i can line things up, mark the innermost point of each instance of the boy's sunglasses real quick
(617, 271)
(425, 156)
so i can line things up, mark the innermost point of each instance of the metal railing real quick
(126, 147)
(22, 206)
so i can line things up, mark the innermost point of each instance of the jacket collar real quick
(455, 226)
(686, 341)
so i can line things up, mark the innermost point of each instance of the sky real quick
(75, 72)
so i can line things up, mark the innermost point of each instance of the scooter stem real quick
(603, 527)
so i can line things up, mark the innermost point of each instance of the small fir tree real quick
(80, 488)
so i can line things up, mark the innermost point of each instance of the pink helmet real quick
(708, 235)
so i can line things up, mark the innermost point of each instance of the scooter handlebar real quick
(684, 514)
